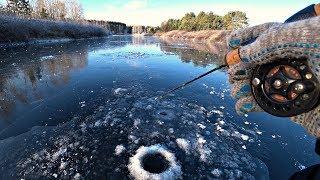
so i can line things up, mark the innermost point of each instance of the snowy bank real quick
(15, 30)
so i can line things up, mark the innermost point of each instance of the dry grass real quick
(212, 41)
(14, 29)
(197, 36)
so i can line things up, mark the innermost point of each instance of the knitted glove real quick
(267, 43)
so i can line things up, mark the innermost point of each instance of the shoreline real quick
(211, 41)
(204, 36)
(16, 31)
(35, 42)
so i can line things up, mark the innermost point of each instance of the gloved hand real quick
(271, 42)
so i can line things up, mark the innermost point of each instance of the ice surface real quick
(202, 139)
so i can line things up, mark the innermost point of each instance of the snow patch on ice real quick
(239, 135)
(202, 149)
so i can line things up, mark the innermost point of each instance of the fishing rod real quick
(191, 81)
(284, 88)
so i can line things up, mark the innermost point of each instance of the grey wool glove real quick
(268, 43)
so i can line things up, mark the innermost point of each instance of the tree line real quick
(44, 9)
(206, 21)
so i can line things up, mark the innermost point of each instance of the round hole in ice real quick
(155, 163)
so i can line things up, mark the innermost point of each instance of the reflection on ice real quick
(203, 141)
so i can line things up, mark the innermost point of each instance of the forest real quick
(206, 21)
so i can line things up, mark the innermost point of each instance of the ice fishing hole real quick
(163, 113)
(155, 163)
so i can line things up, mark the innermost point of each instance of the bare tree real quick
(19, 7)
(75, 10)
(57, 9)
(40, 9)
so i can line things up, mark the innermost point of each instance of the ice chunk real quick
(244, 137)
(77, 176)
(183, 144)
(57, 154)
(97, 123)
(55, 175)
(43, 58)
(202, 149)
(137, 122)
(216, 173)
(82, 104)
(221, 122)
(119, 149)
(63, 165)
(201, 126)
(118, 91)
(301, 167)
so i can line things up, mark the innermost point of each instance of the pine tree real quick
(43, 13)
(235, 20)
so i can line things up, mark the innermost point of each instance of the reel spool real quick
(286, 87)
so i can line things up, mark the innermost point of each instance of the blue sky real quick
(153, 12)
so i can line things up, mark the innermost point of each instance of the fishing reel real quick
(286, 87)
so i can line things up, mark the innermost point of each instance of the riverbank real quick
(15, 30)
(205, 36)
(206, 41)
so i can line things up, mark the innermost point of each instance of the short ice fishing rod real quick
(284, 88)
(191, 81)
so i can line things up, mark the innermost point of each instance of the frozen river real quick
(87, 109)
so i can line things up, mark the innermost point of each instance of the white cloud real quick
(136, 12)
(135, 5)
